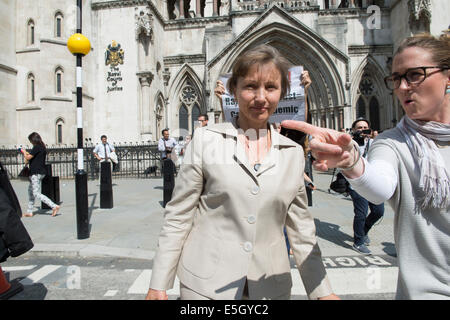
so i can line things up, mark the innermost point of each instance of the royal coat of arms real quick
(114, 54)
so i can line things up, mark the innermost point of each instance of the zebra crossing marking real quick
(18, 268)
(142, 284)
(344, 280)
(110, 293)
(39, 274)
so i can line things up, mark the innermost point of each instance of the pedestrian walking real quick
(240, 183)
(408, 166)
(36, 159)
(362, 222)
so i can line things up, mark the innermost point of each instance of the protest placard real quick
(291, 107)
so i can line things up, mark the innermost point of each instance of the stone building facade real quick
(154, 63)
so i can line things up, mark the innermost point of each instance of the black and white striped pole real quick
(80, 46)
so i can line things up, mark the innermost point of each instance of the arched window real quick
(58, 79)
(189, 98)
(374, 112)
(184, 118)
(30, 32)
(159, 116)
(367, 105)
(195, 114)
(361, 108)
(59, 130)
(31, 87)
(59, 18)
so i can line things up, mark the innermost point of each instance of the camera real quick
(358, 136)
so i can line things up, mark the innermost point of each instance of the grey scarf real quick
(434, 178)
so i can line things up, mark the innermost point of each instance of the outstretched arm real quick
(376, 180)
(331, 149)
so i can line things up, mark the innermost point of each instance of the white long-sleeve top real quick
(378, 182)
(422, 237)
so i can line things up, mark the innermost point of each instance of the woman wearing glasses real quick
(408, 166)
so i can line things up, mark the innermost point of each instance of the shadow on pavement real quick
(92, 207)
(389, 249)
(331, 232)
(36, 291)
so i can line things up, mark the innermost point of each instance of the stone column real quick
(181, 4)
(208, 8)
(215, 8)
(333, 4)
(198, 12)
(145, 79)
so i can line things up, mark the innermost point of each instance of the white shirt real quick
(162, 144)
(100, 150)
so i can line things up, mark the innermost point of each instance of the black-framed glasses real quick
(413, 76)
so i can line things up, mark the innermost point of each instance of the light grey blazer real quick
(225, 221)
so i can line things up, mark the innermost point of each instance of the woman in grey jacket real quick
(409, 166)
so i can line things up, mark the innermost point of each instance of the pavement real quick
(131, 228)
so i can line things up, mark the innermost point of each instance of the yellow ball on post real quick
(78, 44)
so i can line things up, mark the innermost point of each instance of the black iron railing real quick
(135, 161)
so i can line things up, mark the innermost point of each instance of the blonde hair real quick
(439, 47)
(260, 55)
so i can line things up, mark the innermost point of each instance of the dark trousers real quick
(363, 222)
(287, 240)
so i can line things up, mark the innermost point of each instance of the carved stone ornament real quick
(188, 95)
(144, 22)
(417, 7)
(166, 76)
(145, 78)
(366, 87)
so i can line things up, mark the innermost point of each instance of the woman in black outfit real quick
(36, 159)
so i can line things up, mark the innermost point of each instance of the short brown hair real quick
(438, 47)
(260, 55)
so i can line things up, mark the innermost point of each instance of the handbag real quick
(5, 184)
(24, 174)
(340, 185)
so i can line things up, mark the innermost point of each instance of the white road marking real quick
(39, 274)
(18, 268)
(111, 293)
(354, 280)
(142, 283)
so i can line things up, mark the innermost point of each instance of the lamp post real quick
(80, 46)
